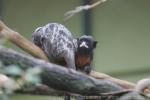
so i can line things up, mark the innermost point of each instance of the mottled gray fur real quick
(57, 43)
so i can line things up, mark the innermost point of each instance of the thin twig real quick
(78, 9)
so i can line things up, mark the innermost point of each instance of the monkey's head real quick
(86, 44)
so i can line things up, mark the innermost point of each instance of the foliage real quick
(17, 78)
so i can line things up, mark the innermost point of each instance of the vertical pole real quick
(86, 19)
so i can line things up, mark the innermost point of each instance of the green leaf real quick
(13, 70)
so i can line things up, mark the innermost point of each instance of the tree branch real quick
(58, 77)
(21, 42)
(122, 83)
(78, 9)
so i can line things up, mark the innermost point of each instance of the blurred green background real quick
(121, 27)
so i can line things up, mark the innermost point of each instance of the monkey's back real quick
(55, 40)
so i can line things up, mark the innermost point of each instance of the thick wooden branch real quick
(20, 41)
(41, 90)
(122, 83)
(38, 89)
(32, 49)
(58, 77)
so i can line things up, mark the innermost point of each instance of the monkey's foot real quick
(71, 71)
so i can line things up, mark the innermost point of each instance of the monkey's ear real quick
(94, 44)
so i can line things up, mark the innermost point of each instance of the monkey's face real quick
(86, 44)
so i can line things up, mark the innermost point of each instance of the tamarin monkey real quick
(61, 48)
(84, 53)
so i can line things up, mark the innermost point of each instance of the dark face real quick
(86, 44)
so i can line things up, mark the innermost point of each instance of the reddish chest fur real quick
(81, 61)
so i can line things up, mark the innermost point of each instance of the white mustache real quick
(84, 44)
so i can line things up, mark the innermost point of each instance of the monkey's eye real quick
(83, 44)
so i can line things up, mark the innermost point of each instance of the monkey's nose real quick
(84, 44)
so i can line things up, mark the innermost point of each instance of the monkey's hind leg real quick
(70, 60)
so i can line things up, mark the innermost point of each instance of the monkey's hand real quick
(87, 69)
